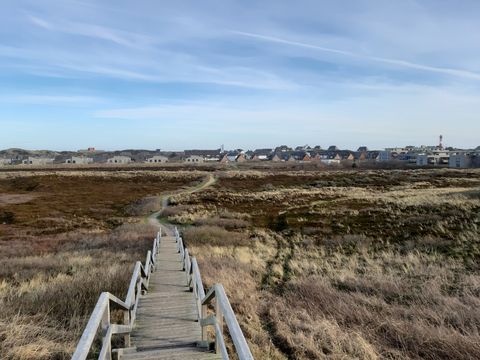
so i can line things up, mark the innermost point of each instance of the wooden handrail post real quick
(219, 319)
(204, 328)
(105, 324)
(126, 321)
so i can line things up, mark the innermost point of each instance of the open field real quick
(64, 238)
(361, 264)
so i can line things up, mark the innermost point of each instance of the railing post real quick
(204, 328)
(219, 319)
(126, 321)
(105, 324)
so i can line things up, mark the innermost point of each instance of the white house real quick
(5, 162)
(460, 160)
(120, 160)
(37, 161)
(79, 160)
(434, 158)
(157, 159)
(194, 159)
(385, 155)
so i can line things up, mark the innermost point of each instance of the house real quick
(303, 148)
(241, 158)
(249, 155)
(205, 155)
(460, 160)
(373, 155)
(346, 155)
(409, 156)
(386, 155)
(262, 154)
(37, 161)
(433, 158)
(233, 156)
(300, 156)
(157, 159)
(282, 156)
(283, 148)
(194, 159)
(328, 155)
(363, 154)
(425, 159)
(119, 159)
(360, 155)
(476, 158)
(79, 160)
(4, 162)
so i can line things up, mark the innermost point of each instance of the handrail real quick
(100, 316)
(222, 310)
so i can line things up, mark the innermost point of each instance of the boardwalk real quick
(167, 324)
(166, 312)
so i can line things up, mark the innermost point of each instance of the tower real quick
(440, 145)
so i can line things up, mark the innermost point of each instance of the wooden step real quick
(172, 354)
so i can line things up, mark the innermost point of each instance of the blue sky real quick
(186, 74)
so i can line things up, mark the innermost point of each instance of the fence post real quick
(126, 321)
(204, 328)
(105, 325)
(219, 318)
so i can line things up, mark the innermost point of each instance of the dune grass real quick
(366, 265)
(65, 238)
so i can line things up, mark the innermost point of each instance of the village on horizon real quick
(437, 155)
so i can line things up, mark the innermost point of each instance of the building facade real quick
(157, 159)
(460, 160)
(194, 159)
(120, 160)
(79, 160)
(5, 162)
(37, 161)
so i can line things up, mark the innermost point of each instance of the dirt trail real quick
(153, 218)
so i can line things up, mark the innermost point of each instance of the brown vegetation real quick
(65, 238)
(364, 264)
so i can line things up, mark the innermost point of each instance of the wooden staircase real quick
(166, 312)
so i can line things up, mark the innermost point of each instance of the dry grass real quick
(46, 300)
(214, 236)
(317, 264)
(64, 238)
(366, 265)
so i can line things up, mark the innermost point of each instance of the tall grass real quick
(366, 265)
(46, 300)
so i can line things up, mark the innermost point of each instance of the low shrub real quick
(213, 236)
(229, 224)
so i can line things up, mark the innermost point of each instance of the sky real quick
(173, 75)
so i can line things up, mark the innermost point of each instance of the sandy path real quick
(153, 218)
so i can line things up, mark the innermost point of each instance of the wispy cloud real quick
(40, 22)
(51, 99)
(396, 62)
(287, 75)
(119, 37)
